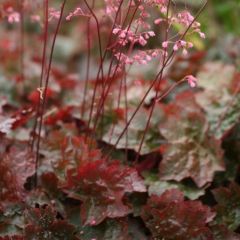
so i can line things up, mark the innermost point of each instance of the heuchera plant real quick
(100, 137)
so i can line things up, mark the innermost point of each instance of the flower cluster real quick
(138, 32)
(77, 12)
(125, 36)
(162, 4)
(178, 45)
(140, 57)
(187, 19)
(53, 14)
(12, 15)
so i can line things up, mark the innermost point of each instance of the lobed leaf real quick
(190, 151)
(101, 187)
(169, 217)
(228, 207)
(43, 224)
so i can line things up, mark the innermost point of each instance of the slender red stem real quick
(158, 85)
(118, 106)
(88, 68)
(126, 113)
(101, 64)
(22, 70)
(101, 59)
(104, 97)
(43, 63)
(45, 89)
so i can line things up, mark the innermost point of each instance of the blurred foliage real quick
(226, 13)
(223, 14)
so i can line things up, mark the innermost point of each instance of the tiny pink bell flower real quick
(192, 81)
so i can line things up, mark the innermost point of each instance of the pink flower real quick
(189, 44)
(142, 41)
(175, 48)
(151, 33)
(122, 34)
(165, 44)
(116, 30)
(154, 54)
(158, 21)
(53, 14)
(192, 81)
(77, 12)
(93, 222)
(202, 35)
(14, 17)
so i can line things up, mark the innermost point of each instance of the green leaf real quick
(190, 159)
(222, 111)
(190, 151)
(215, 76)
(159, 187)
(221, 232)
(11, 219)
(133, 136)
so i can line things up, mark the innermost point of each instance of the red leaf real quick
(120, 113)
(59, 115)
(34, 96)
(15, 167)
(43, 224)
(50, 183)
(101, 187)
(170, 217)
(228, 206)
(236, 83)
(67, 82)
(22, 117)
